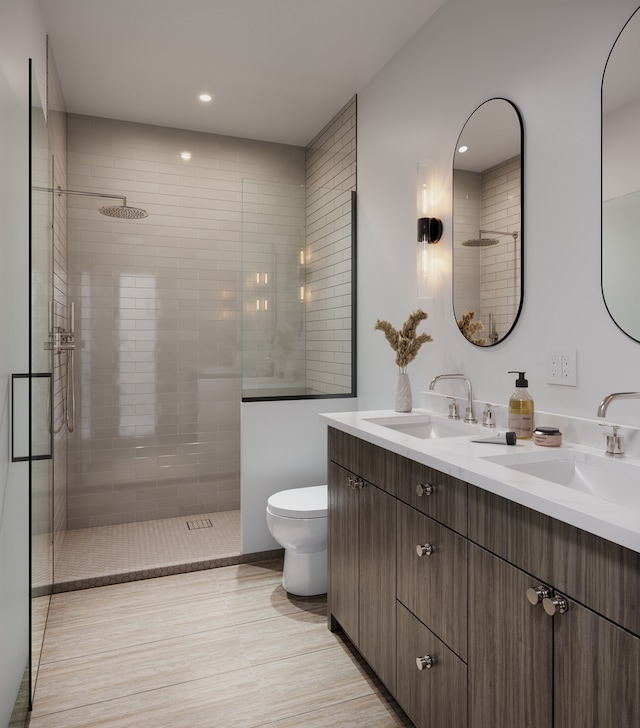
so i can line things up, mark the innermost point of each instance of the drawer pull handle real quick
(355, 483)
(350, 481)
(555, 605)
(424, 489)
(536, 594)
(424, 663)
(424, 549)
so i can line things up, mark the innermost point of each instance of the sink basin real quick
(424, 427)
(609, 480)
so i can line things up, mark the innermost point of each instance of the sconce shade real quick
(429, 229)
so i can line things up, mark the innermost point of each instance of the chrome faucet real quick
(469, 413)
(602, 407)
(615, 442)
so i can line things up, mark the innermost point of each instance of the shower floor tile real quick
(131, 551)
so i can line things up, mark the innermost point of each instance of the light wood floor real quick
(219, 648)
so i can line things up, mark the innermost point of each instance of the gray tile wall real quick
(158, 318)
(331, 165)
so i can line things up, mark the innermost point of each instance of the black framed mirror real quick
(621, 180)
(488, 218)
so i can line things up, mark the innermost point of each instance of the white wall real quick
(548, 58)
(284, 445)
(21, 37)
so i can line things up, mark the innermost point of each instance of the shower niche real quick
(298, 317)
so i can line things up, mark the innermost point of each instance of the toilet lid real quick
(300, 502)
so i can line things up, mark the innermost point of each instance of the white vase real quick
(403, 401)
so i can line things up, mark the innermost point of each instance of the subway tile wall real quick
(57, 126)
(500, 269)
(158, 317)
(330, 176)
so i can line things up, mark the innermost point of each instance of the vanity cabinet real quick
(449, 610)
(362, 568)
(560, 663)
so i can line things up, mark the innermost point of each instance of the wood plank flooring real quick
(221, 648)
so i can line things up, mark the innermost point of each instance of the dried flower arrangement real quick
(470, 328)
(405, 342)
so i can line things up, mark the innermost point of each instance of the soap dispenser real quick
(521, 409)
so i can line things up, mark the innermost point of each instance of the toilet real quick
(297, 519)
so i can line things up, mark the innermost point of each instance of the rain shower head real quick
(481, 242)
(123, 212)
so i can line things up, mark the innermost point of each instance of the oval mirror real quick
(621, 180)
(487, 223)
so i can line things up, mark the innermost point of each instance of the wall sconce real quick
(429, 232)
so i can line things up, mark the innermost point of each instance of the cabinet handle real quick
(424, 663)
(425, 549)
(536, 594)
(359, 483)
(424, 489)
(555, 605)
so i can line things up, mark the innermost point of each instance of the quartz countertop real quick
(461, 458)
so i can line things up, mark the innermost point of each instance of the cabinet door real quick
(436, 696)
(596, 672)
(434, 585)
(510, 648)
(378, 582)
(343, 576)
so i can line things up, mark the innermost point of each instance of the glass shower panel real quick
(297, 291)
(40, 381)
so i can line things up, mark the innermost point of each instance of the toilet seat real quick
(299, 502)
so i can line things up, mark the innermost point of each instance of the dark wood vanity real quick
(474, 610)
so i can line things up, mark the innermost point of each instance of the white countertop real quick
(466, 460)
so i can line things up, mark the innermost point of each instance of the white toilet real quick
(297, 519)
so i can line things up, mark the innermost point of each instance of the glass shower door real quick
(40, 379)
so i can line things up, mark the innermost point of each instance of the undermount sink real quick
(609, 480)
(424, 427)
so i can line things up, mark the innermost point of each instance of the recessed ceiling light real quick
(205, 97)
(463, 149)
(185, 155)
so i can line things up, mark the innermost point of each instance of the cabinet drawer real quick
(434, 585)
(431, 696)
(436, 494)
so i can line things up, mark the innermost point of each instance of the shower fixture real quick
(481, 242)
(64, 340)
(122, 211)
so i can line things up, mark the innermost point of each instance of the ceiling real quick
(278, 70)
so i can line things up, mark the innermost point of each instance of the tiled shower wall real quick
(158, 318)
(331, 165)
(57, 125)
(487, 279)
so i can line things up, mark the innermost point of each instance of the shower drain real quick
(194, 525)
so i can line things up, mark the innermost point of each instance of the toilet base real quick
(305, 575)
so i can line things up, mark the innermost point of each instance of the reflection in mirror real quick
(487, 223)
(621, 180)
